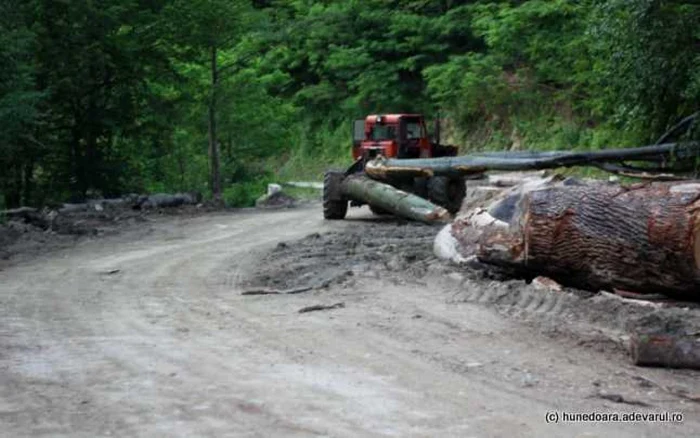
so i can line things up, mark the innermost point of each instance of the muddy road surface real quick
(147, 333)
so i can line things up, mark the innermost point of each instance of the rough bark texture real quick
(644, 238)
(393, 200)
(665, 350)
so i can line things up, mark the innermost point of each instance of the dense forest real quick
(106, 97)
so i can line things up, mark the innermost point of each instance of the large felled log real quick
(393, 200)
(28, 215)
(19, 213)
(664, 350)
(164, 200)
(644, 238)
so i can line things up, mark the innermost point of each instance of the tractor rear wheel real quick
(335, 206)
(447, 192)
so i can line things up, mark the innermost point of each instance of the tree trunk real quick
(13, 188)
(215, 174)
(393, 200)
(644, 239)
(682, 155)
(28, 181)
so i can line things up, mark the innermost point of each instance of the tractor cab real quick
(397, 136)
(392, 136)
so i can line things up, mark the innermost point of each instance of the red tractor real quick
(394, 136)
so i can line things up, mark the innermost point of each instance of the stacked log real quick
(51, 217)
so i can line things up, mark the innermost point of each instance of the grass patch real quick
(244, 194)
(303, 193)
(314, 153)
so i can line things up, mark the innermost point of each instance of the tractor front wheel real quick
(335, 206)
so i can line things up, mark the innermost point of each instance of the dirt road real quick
(147, 334)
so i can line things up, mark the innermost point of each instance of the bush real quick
(244, 194)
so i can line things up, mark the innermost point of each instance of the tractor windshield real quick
(383, 132)
(414, 130)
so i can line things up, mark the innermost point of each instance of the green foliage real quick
(314, 150)
(303, 193)
(109, 97)
(19, 101)
(244, 194)
(647, 60)
(528, 80)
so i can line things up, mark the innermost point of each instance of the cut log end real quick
(644, 239)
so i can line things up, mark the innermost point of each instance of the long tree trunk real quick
(642, 239)
(28, 183)
(215, 171)
(13, 189)
(658, 156)
(393, 200)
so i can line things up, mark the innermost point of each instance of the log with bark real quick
(392, 200)
(657, 160)
(643, 238)
(67, 218)
(666, 350)
(165, 200)
(27, 215)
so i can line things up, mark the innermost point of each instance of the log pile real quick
(60, 216)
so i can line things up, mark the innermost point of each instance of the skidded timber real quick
(393, 200)
(683, 155)
(643, 238)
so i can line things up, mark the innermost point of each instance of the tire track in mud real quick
(397, 253)
(602, 311)
(402, 252)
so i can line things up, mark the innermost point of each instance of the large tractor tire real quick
(335, 206)
(447, 192)
(420, 187)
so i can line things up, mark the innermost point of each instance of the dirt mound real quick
(383, 248)
(26, 237)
